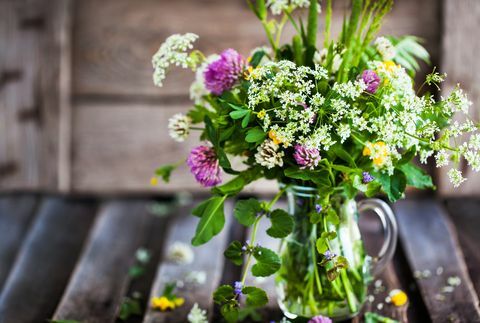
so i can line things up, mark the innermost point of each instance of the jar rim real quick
(306, 191)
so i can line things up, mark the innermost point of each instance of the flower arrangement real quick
(342, 118)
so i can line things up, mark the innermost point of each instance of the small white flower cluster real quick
(173, 52)
(179, 127)
(197, 315)
(385, 48)
(279, 6)
(456, 177)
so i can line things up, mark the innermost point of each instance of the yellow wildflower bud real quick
(179, 301)
(367, 151)
(273, 135)
(154, 181)
(162, 304)
(398, 297)
(248, 72)
(261, 114)
(389, 65)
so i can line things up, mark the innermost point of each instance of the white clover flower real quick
(180, 253)
(268, 155)
(456, 177)
(197, 315)
(179, 127)
(278, 6)
(173, 52)
(442, 158)
(385, 48)
(320, 56)
(344, 132)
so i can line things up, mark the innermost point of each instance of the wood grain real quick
(46, 260)
(16, 213)
(207, 258)
(430, 242)
(460, 60)
(100, 279)
(112, 56)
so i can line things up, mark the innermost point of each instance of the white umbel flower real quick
(179, 127)
(385, 48)
(197, 315)
(173, 52)
(456, 177)
(180, 253)
(268, 154)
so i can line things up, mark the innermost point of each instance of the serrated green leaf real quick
(416, 177)
(267, 264)
(256, 297)
(373, 188)
(212, 220)
(322, 242)
(282, 224)
(234, 253)
(230, 312)
(255, 135)
(332, 216)
(223, 294)
(245, 211)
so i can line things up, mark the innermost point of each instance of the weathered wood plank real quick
(461, 21)
(464, 214)
(101, 276)
(430, 242)
(141, 129)
(207, 258)
(16, 213)
(46, 260)
(107, 50)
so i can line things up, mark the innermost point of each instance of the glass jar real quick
(329, 276)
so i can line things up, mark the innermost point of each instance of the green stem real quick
(328, 23)
(250, 255)
(269, 35)
(314, 259)
(351, 299)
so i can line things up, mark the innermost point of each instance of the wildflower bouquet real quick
(327, 122)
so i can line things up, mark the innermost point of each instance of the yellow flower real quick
(154, 181)
(261, 114)
(389, 66)
(248, 73)
(179, 301)
(398, 297)
(162, 304)
(273, 135)
(379, 152)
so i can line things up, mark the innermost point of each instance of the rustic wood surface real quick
(431, 243)
(461, 24)
(47, 257)
(94, 282)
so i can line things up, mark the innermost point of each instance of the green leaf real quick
(239, 114)
(416, 177)
(267, 264)
(223, 294)
(230, 312)
(246, 120)
(398, 183)
(322, 242)
(245, 211)
(165, 171)
(257, 58)
(128, 308)
(343, 155)
(136, 271)
(255, 135)
(332, 216)
(407, 156)
(211, 222)
(211, 131)
(256, 297)
(234, 253)
(222, 158)
(321, 178)
(282, 224)
(200, 208)
(232, 187)
(373, 188)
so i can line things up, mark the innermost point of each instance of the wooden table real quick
(70, 257)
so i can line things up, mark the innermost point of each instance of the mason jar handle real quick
(390, 230)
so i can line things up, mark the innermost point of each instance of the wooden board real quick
(46, 260)
(430, 242)
(16, 213)
(207, 258)
(112, 55)
(100, 279)
(461, 25)
(464, 214)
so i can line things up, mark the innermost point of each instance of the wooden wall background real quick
(78, 111)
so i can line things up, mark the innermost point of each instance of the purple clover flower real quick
(221, 74)
(204, 166)
(329, 255)
(320, 319)
(318, 208)
(367, 178)
(237, 288)
(372, 80)
(306, 157)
